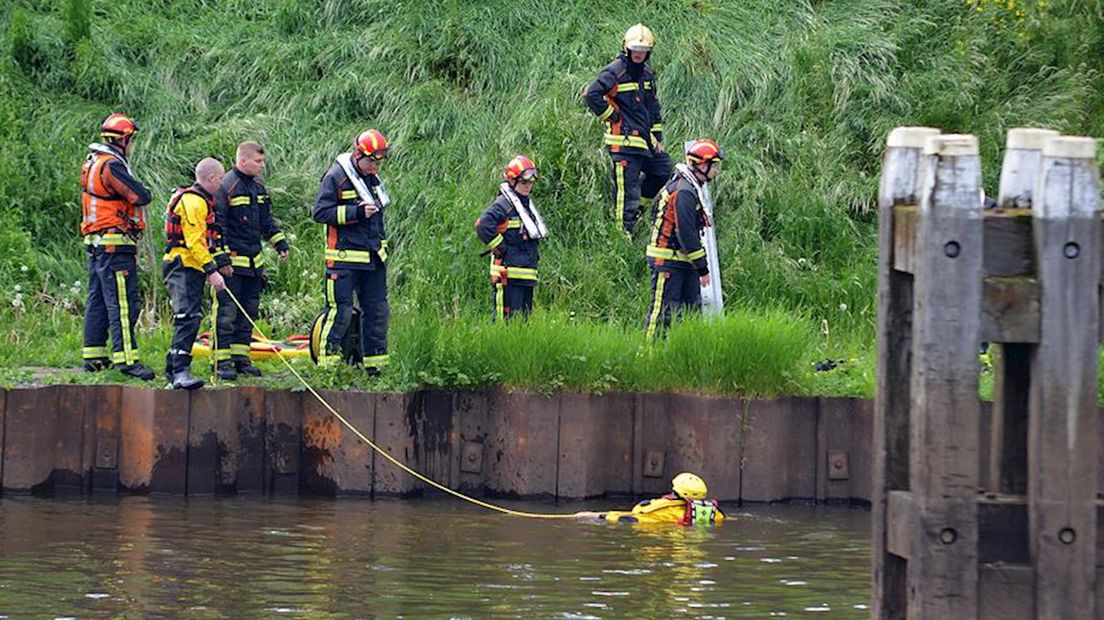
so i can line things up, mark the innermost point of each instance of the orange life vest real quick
(174, 228)
(102, 208)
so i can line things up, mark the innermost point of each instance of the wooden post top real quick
(910, 137)
(951, 145)
(1070, 147)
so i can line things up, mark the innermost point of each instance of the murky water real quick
(258, 557)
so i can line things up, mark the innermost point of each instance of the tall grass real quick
(800, 93)
(746, 352)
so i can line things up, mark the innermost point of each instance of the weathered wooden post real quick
(898, 188)
(1022, 544)
(943, 428)
(1063, 437)
(1011, 378)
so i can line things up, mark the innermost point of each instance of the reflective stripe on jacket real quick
(634, 100)
(243, 210)
(111, 201)
(677, 224)
(515, 255)
(352, 241)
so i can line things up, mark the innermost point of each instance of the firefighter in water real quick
(243, 210)
(675, 253)
(623, 96)
(351, 203)
(511, 229)
(686, 504)
(189, 238)
(113, 218)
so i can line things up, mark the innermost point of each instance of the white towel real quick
(530, 217)
(346, 162)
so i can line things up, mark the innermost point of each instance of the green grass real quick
(800, 93)
(746, 352)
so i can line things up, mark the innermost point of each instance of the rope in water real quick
(382, 452)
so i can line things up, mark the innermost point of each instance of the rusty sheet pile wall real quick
(496, 443)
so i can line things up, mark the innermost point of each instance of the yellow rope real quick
(382, 452)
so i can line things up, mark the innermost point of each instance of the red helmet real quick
(118, 126)
(373, 144)
(520, 167)
(704, 151)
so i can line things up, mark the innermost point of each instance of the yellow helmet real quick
(689, 486)
(638, 38)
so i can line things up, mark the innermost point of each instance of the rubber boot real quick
(184, 380)
(247, 368)
(226, 372)
(136, 370)
(96, 364)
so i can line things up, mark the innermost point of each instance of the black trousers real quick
(673, 293)
(636, 178)
(186, 296)
(112, 308)
(234, 333)
(511, 300)
(370, 288)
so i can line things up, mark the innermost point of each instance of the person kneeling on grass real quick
(686, 504)
(189, 237)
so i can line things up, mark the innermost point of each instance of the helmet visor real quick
(638, 46)
(529, 175)
(378, 154)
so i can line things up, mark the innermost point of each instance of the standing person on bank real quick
(243, 213)
(675, 253)
(623, 96)
(112, 221)
(189, 238)
(511, 229)
(351, 202)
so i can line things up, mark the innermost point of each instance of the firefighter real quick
(351, 203)
(243, 212)
(190, 236)
(675, 253)
(113, 218)
(623, 96)
(511, 229)
(686, 504)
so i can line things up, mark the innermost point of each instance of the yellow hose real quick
(383, 453)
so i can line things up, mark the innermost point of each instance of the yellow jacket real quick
(668, 509)
(189, 228)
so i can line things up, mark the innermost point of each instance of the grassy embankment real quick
(802, 96)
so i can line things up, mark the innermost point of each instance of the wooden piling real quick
(943, 430)
(890, 453)
(1008, 442)
(1063, 418)
(1022, 542)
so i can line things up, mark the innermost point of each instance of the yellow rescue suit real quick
(668, 509)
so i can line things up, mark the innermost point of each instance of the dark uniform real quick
(514, 257)
(189, 238)
(111, 203)
(244, 216)
(675, 253)
(624, 97)
(356, 257)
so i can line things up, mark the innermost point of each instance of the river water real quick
(253, 557)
